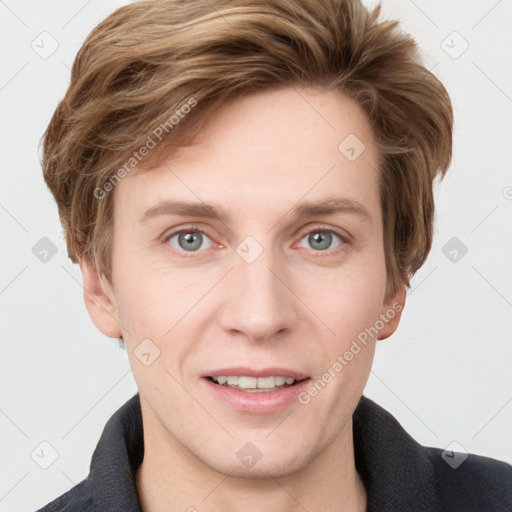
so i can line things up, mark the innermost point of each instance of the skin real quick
(295, 306)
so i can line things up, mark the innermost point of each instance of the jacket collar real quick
(115, 461)
(396, 470)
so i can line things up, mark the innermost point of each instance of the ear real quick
(391, 312)
(99, 300)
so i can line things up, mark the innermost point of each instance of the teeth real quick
(244, 382)
(247, 382)
(262, 383)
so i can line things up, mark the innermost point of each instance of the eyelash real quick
(344, 240)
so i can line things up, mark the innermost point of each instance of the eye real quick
(322, 239)
(189, 240)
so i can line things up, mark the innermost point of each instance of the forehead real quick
(281, 145)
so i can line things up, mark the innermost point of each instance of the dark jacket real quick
(399, 474)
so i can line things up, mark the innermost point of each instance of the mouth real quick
(255, 391)
(250, 384)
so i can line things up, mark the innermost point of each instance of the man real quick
(247, 187)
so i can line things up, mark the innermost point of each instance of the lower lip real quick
(267, 401)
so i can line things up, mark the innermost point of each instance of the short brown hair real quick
(148, 59)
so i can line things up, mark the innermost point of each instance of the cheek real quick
(352, 300)
(144, 307)
(157, 304)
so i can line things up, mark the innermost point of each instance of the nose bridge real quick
(257, 303)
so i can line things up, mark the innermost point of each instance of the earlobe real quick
(99, 300)
(391, 312)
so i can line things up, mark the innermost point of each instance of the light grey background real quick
(445, 374)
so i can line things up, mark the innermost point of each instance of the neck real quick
(172, 477)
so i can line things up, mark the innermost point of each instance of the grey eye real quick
(189, 241)
(321, 240)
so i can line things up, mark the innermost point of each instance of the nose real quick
(259, 302)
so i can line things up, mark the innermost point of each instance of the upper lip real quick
(257, 372)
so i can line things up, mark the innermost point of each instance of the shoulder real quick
(110, 484)
(464, 479)
(401, 474)
(77, 499)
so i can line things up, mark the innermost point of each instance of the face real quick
(255, 253)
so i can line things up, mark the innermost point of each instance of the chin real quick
(275, 464)
(259, 472)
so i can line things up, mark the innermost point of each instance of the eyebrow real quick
(328, 206)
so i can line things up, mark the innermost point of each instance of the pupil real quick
(323, 240)
(191, 241)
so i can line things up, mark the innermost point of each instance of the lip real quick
(254, 372)
(256, 403)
